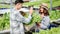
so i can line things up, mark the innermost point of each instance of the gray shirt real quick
(16, 22)
(45, 22)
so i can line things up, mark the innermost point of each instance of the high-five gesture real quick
(31, 10)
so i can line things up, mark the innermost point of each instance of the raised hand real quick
(31, 10)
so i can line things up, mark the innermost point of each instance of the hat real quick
(44, 5)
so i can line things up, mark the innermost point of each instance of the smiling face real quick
(41, 11)
(18, 5)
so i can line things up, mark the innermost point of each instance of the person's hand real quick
(31, 10)
(38, 24)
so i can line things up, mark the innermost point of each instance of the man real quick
(17, 20)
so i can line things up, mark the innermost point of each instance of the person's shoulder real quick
(46, 17)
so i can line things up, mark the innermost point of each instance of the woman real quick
(45, 22)
(44, 14)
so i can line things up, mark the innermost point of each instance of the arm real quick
(26, 20)
(19, 17)
(29, 17)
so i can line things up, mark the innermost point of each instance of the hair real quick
(19, 1)
(45, 11)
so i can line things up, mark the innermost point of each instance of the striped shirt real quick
(45, 22)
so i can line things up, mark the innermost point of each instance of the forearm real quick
(27, 20)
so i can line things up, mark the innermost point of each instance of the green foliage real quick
(4, 22)
(52, 31)
(35, 18)
(54, 14)
(4, 6)
(37, 3)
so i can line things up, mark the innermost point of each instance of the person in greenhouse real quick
(17, 20)
(44, 14)
(45, 22)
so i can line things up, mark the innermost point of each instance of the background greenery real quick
(36, 3)
(5, 24)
